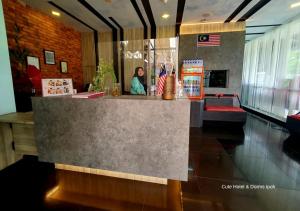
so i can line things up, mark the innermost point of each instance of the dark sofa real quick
(293, 124)
(221, 108)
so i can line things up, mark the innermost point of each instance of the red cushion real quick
(296, 116)
(224, 108)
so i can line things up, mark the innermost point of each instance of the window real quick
(271, 72)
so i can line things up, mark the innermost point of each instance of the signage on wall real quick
(57, 86)
(206, 40)
(133, 55)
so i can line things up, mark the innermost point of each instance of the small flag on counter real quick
(161, 80)
(209, 40)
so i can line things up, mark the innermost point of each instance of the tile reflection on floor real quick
(32, 185)
(109, 193)
(220, 157)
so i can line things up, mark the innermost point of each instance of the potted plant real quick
(22, 84)
(105, 77)
(18, 54)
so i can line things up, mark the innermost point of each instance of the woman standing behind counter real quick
(138, 86)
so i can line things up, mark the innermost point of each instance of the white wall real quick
(7, 99)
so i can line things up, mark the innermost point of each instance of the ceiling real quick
(211, 10)
(275, 12)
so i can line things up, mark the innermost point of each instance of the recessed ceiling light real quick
(55, 13)
(295, 5)
(165, 16)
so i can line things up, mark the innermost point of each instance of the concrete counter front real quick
(130, 134)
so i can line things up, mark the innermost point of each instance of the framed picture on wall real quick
(49, 57)
(63, 66)
(34, 61)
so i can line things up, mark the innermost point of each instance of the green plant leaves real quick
(18, 53)
(104, 71)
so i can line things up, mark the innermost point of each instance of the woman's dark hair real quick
(141, 78)
(136, 71)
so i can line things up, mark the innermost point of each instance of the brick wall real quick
(40, 31)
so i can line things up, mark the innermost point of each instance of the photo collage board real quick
(57, 86)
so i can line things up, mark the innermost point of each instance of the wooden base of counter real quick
(110, 193)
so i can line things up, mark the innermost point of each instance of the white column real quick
(7, 98)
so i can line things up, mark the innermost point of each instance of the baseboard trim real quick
(265, 116)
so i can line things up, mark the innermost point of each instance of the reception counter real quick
(130, 134)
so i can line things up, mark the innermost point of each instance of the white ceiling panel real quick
(246, 9)
(259, 29)
(43, 6)
(73, 7)
(159, 8)
(121, 10)
(211, 10)
(251, 37)
(275, 12)
(140, 5)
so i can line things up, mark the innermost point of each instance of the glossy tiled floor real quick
(222, 159)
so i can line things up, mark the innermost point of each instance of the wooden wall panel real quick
(210, 28)
(88, 57)
(135, 38)
(106, 47)
(165, 31)
(134, 41)
(107, 193)
(7, 155)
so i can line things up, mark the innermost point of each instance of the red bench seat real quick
(224, 108)
(295, 116)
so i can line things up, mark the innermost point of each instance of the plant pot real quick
(23, 93)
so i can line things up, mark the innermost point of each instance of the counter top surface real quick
(18, 117)
(127, 97)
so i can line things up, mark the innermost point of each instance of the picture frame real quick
(49, 57)
(33, 60)
(63, 66)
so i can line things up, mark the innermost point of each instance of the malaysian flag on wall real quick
(161, 81)
(209, 40)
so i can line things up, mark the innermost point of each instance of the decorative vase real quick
(168, 92)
